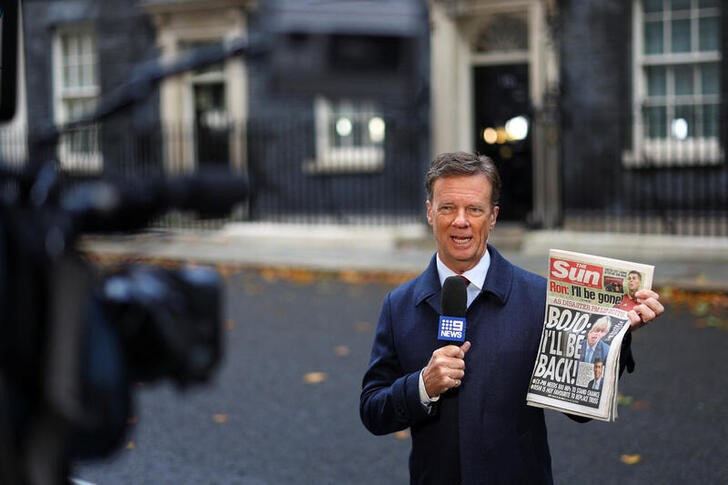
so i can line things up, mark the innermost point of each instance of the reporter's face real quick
(461, 216)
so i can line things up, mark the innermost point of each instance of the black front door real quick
(211, 124)
(501, 96)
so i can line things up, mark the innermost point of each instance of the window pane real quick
(679, 4)
(355, 124)
(69, 78)
(78, 60)
(66, 77)
(655, 118)
(83, 141)
(340, 131)
(707, 3)
(681, 35)
(684, 122)
(710, 79)
(653, 38)
(85, 75)
(377, 129)
(709, 33)
(710, 120)
(503, 32)
(656, 81)
(683, 80)
(79, 107)
(652, 6)
(359, 131)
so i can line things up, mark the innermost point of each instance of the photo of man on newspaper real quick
(596, 383)
(634, 283)
(594, 347)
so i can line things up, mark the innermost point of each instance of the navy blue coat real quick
(483, 432)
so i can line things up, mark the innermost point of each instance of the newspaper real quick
(587, 300)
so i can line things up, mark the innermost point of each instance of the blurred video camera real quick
(75, 337)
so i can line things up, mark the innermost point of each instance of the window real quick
(505, 32)
(76, 90)
(677, 83)
(349, 137)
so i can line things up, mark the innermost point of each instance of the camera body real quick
(76, 336)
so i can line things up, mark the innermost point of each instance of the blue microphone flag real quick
(453, 305)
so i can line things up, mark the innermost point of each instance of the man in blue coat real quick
(465, 405)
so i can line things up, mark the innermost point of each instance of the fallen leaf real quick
(225, 270)
(351, 277)
(667, 293)
(623, 400)
(342, 350)
(640, 405)
(630, 459)
(701, 309)
(220, 418)
(715, 322)
(301, 276)
(268, 274)
(130, 445)
(402, 435)
(314, 377)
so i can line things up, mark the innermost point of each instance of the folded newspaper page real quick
(587, 300)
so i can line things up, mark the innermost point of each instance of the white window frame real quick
(668, 152)
(342, 159)
(89, 161)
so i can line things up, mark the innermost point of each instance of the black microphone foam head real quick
(454, 302)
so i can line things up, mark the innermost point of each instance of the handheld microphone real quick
(454, 304)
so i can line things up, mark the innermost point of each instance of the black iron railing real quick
(293, 181)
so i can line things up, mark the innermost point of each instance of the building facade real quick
(643, 117)
(601, 114)
(622, 100)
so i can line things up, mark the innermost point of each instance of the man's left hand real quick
(648, 309)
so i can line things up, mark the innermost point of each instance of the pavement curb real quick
(692, 264)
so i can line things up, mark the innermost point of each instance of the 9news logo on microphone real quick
(454, 303)
(451, 328)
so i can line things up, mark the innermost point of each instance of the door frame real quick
(452, 59)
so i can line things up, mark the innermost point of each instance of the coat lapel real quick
(427, 288)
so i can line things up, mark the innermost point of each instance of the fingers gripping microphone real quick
(454, 304)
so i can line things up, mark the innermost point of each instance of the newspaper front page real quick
(587, 300)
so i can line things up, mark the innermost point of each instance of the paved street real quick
(283, 408)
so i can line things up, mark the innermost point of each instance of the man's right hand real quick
(445, 370)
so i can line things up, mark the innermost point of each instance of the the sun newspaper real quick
(587, 300)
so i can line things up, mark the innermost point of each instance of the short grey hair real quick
(463, 163)
(604, 323)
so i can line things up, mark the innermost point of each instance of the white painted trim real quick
(453, 61)
(199, 22)
(329, 159)
(664, 152)
(91, 162)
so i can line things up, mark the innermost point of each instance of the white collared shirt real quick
(476, 275)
